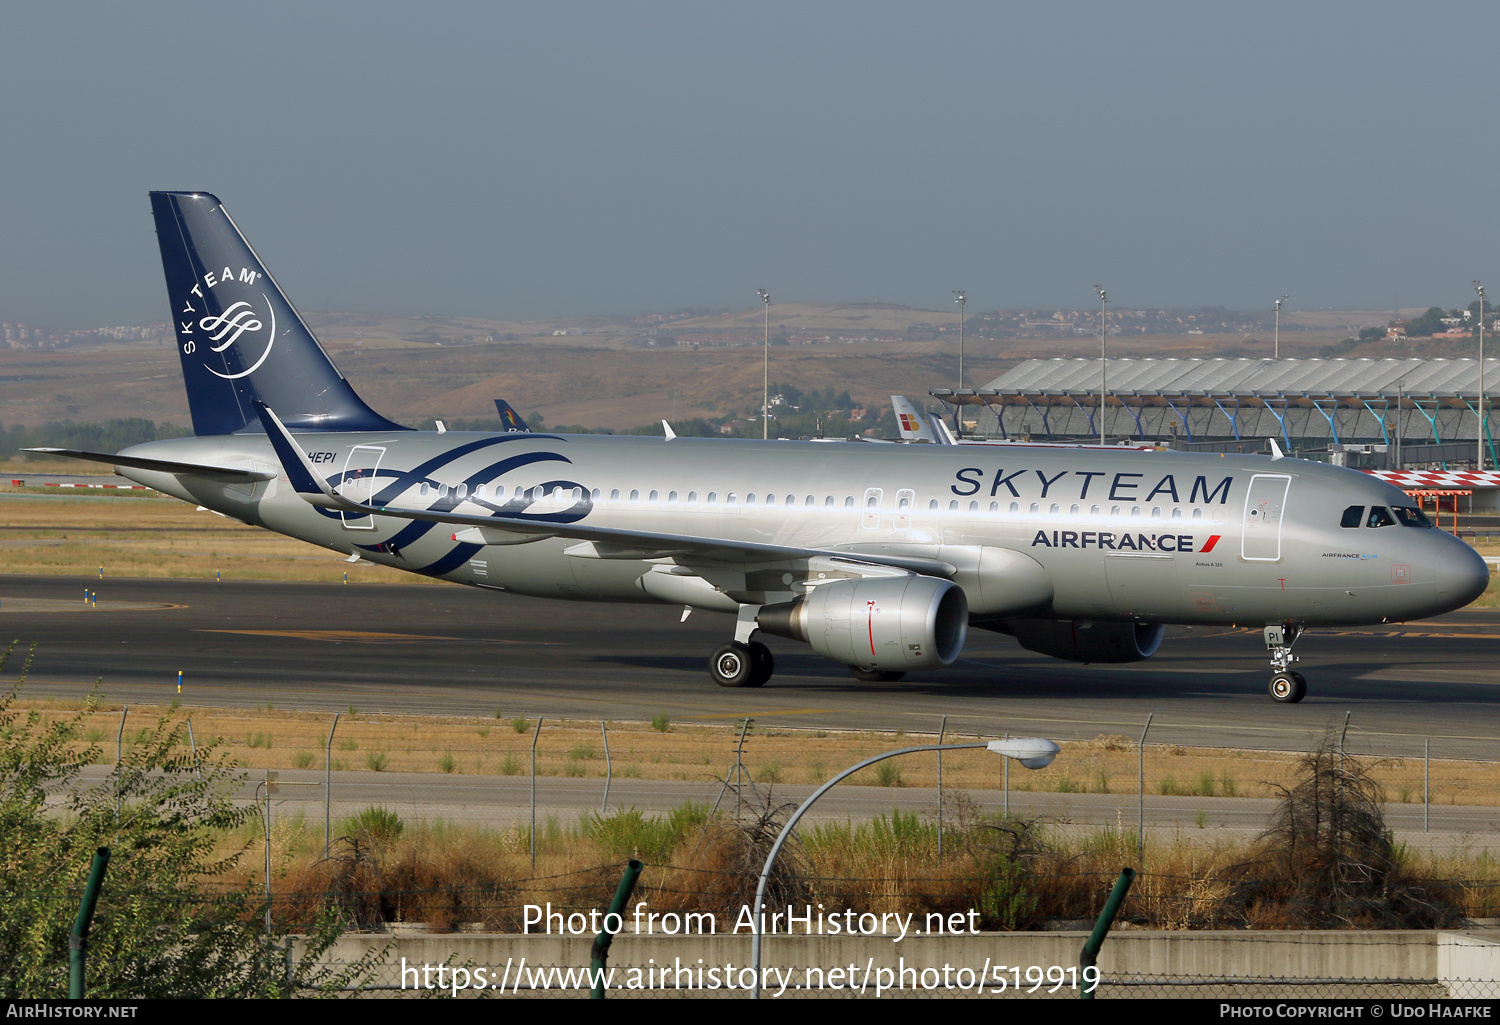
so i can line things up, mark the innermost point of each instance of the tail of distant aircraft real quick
(240, 339)
(510, 419)
(913, 428)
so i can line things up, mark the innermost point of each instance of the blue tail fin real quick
(510, 419)
(240, 339)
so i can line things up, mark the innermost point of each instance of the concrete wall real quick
(1465, 964)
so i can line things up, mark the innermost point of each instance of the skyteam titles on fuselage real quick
(1123, 486)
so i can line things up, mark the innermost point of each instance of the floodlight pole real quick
(958, 416)
(1103, 367)
(1479, 451)
(765, 403)
(1276, 351)
(1027, 751)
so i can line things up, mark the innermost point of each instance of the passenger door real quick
(1265, 506)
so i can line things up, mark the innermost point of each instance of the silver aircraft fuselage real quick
(1083, 534)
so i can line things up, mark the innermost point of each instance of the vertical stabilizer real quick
(240, 339)
(913, 428)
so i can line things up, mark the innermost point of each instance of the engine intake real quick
(893, 623)
(1088, 641)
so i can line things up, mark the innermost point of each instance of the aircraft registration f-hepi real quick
(877, 556)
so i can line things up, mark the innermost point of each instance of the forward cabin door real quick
(357, 483)
(1265, 507)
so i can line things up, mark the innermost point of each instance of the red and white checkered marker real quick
(1430, 479)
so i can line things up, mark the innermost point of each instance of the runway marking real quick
(72, 605)
(1415, 633)
(373, 636)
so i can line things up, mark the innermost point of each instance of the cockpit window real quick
(1411, 517)
(1352, 516)
(1380, 516)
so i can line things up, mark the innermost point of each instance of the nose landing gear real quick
(1287, 687)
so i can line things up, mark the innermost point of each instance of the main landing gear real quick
(738, 664)
(1287, 687)
(744, 661)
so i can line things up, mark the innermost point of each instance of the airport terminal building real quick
(1375, 414)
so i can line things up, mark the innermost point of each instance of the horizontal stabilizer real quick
(164, 465)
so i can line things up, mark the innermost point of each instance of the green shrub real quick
(888, 774)
(520, 725)
(660, 723)
(375, 761)
(302, 759)
(446, 763)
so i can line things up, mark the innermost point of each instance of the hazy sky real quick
(522, 160)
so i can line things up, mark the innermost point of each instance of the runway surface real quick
(453, 650)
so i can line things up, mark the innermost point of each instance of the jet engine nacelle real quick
(890, 623)
(1088, 640)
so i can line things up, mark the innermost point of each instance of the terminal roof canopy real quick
(1343, 381)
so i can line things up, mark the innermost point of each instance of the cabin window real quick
(593, 495)
(1352, 516)
(869, 502)
(1156, 512)
(770, 499)
(1114, 510)
(1380, 516)
(828, 502)
(750, 498)
(614, 494)
(424, 489)
(712, 499)
(1055, 509)
(731, 499)
(1035, 508)
(903, 504)
(1093, 510)
(1197, 514)
(1073, 510)
(479, 491)
(654, 497)
(953, 506)
(932, 506)
(848, 501)
(442, 491)
(1135, 511)
(1176, 514)
(791, 500)
(973, 507)
(692, 498)
(635, 496)
(671, 498)
(1015, 507)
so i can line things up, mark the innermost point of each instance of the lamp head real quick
(1032, 752)
(765, 296)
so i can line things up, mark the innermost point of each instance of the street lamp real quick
(1032, 752)
(765, 403)
(1103, 302)
(1276, 352)
(1479, 454)
(958, 415)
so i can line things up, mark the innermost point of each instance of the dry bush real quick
(1328, 860)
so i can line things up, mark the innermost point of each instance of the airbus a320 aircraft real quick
(877, 556)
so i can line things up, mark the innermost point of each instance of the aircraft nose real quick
(1461, 573)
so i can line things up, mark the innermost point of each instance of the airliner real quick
(880, 557)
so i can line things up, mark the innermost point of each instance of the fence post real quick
(78, 937)
(1089, 958)
(942, 730)
(328, 788)
(1342, 733)
(1007, 782)
(599, 954)
(1426, 782)
(1140, 825)
(608, 768)
(197, 769)
(119, 757)
(534, 738)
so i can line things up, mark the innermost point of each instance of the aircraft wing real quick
(164, 465)
(608, 542)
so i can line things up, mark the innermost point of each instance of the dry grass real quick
(161, 537)
(501, 746)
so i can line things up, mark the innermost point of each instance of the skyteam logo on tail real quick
(236, 321)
